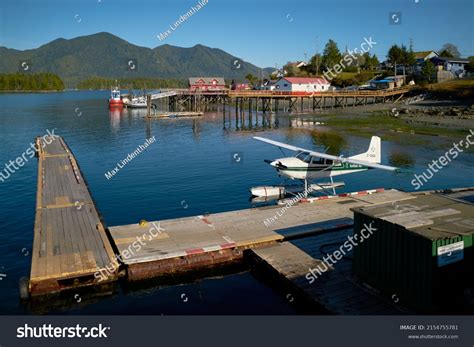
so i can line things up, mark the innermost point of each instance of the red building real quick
(206, 83)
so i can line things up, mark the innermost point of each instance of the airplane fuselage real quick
(296, 168)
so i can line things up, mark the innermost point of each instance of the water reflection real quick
(245, 120)
(114, 116)
(136, 112)
(332, 141)
(250, 120)
(196, 129)
(401, 159)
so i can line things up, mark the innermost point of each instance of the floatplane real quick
(308, 165)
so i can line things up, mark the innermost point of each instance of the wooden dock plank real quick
(69, 238)
(332, 289)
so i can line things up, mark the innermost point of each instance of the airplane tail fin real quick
(373, 154)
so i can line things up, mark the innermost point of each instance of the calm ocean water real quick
(189, 170)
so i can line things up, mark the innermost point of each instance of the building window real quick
(285, 85)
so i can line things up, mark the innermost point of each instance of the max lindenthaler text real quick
(129, 158)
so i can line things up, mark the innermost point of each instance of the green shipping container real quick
(419, 251)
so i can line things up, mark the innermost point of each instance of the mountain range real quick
(106, 55)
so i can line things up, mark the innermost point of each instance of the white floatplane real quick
(310, 165)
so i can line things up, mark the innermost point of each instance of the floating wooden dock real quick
(193, 242)
(175, 114)
(70, 242)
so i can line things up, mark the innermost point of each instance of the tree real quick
(395, 56)
(290, 70)
(331, 55)
(27, 81)
(251, 78)
(446, 53)
(365, 61)
(370, 62)
(452, 49)
(374, 61)
(470, 65)
(428, 70)
(314, 64)
(409, 58)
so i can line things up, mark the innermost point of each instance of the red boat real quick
(115, 100)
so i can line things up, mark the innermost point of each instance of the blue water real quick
(189, 170)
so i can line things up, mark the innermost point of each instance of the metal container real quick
(419, 250)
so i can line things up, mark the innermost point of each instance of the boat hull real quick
(115, 103)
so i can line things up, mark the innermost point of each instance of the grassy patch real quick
(392, 128)
(458, 89)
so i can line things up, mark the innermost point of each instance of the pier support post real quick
(148, 105)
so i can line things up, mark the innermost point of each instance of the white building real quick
(302, 84)
(421, 57)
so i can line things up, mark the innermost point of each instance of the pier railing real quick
(345, 93)
(275, 93)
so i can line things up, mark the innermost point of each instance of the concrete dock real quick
(70, 242)
(188, 243)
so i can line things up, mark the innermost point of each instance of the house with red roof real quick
(302, 84)
(206, 83)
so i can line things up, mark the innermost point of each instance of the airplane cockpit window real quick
(301, 155)
(304, 156)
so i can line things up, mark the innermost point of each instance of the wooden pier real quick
(274, 101)
(70, 242)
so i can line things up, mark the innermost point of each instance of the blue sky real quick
(264, 32)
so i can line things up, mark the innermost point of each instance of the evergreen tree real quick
(395, 55)
(428, 70)
(331, 55)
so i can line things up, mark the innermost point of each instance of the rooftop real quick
(422, 55)
(454, 60)
(303, 80)
(431, 216)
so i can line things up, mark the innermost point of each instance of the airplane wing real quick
(327, 156)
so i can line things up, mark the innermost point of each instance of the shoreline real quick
(33, 91)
